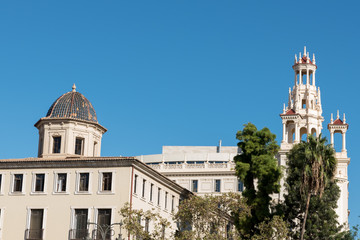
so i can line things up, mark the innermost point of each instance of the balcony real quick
(34, 234)
(78, 234)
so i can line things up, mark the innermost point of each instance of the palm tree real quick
(319, 168)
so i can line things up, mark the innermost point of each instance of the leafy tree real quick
(133, 218)
(258, 168)
(276, 228)
(312, 193)
(210, 217)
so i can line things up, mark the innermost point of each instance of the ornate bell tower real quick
(303, 116)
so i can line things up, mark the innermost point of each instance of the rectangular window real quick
(135, 183)
(39, 182)
(240, 186)
(147, 221)
(166, 199)
(104, 220)
(172, 203)
(151, 192)
(80, 224)
(217, 185)
(143, 188)
(18, 182)
(36, 224)
(84, 182)
(159, 195)
(79, 143)
(106, 181)
(61, 182)
(0, 182)
(194, 186)
(56, 144)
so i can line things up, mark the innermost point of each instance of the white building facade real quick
(56, 195)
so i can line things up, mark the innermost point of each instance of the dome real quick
(72, 105)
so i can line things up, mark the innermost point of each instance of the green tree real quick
(210, 217)
(133, 218)
(312, 193)
(258, 168)
(276, 228)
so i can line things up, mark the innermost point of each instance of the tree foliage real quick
(312, 191)
(258, 168)
(133, 222)
(210, 217)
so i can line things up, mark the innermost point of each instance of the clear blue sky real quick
(174, 72)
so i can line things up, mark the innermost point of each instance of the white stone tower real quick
(303, 116)
(340, 126)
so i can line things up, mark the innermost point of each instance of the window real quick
(172, 203)
(143, 188)
(304, 104)
(159, 195)
(104, 220)
(240, 186)
(0, 183)
(56, 144)
(35, 230)
(166, 199)
(147, 221)
(61, 182)
(84, 182)
(151, 192)
(79, 143)
(217, 185)
(80, 224)
(18, 183)
(135, 183)
(106, 181)
(194, 186)
(39, 182)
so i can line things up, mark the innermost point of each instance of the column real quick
(295, 79)
(300, 77)
(297, 133)
(343, 141)
(332, 137)
(313, 81)
(307, 77)
(284, 132)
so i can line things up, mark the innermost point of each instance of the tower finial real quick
(295, 58)
(284, 109)
(313, 58)
(331, 119)
(304, 51)
(74, 88)
(344, 120)
(337, 115)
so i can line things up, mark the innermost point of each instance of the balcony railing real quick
(34, 234)
(78, 234)
(98, 235)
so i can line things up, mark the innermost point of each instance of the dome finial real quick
(74, 88)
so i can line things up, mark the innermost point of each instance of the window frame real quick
(197, 185)
(2, 212)
(53, 136)
(33, 184)
(159, 197)
(77, 183)
(143, 189)
(82, 147)
(72, 216)
(2, 177)
(56, 175)
(215, 185)
(45, 209)
(113, 176)
(12, 182)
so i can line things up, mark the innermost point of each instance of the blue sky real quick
(174, 72)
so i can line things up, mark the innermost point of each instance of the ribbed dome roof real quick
(72, 105)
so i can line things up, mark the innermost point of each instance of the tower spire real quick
(304, 51)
